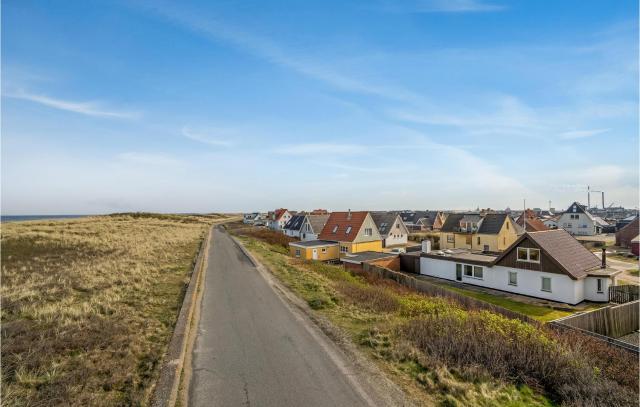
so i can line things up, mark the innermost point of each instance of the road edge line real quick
(165, 392)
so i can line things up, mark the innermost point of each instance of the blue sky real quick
(235, 106)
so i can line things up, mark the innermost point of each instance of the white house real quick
(392, 229)
(254, 218)
(293, 226)
(578, 221)
(549, 264)
(279, 218)
(312, 226)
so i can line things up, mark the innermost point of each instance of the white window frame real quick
(528, 250)
(346, 232)
(344, 249)
(324, 250)
(476, 269)
(542, 280)
(466, 267)
(450, 239)
(335, 229)
(368, 231)
(297, 252)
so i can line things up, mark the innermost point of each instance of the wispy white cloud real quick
(211, 137)
(85, 108)
(441, 6)
(264, 48)
(577, 134)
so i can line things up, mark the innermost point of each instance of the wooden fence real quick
(621, 294)
(614, 322)
(437, 291)
(410, 263)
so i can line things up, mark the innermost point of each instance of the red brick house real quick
(627, 233)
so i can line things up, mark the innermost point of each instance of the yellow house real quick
(321, 250)
(354, 232)
(494, 232)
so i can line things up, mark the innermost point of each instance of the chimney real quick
(426, 246)
(349, 215)
(604, 258)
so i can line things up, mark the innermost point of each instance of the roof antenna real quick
(349, 214)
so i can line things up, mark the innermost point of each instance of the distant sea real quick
(18, 218)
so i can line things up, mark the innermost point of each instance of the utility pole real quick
(588, 197)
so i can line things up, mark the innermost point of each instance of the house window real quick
(297, 252)
(478, 240)
(513, 278)
(569, 225)
(477, 272)
(344, 249)
(335, 229)
(529, 254)
(449, 238)
(324, 250)
(368, 232)
(599, 281)
(348, 230)
(468, 270)
(507, 225)
(546, 284)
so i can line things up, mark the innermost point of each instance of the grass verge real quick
(89, 305)
(441, 353)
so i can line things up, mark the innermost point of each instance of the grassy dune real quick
(88, 305)
(445, 354)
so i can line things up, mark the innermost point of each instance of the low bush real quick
(266, 235)
(516, 352)
(370, 297)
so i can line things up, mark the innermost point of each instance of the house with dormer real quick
(392, 229)
(578, 221)
(355, 231)
(549, 264)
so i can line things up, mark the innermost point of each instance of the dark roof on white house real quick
(295, 223)
(384, 221)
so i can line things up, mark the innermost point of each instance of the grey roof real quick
(462, 255)
(384, 221)
(452, 224)
(492, 223)
(314, 243)
(367, 256)
(295, 223)
(317, 222)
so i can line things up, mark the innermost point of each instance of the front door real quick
(459, 272)
(314, 255)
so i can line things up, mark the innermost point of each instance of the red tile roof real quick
(533, 223)
(340, 222)
(279, 213)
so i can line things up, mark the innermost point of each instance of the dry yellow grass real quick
(88, 305)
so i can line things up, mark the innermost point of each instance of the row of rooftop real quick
(481, 246)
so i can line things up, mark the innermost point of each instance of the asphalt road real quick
(251, 348)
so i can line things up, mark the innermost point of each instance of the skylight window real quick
(335, 229)
(348, 230)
